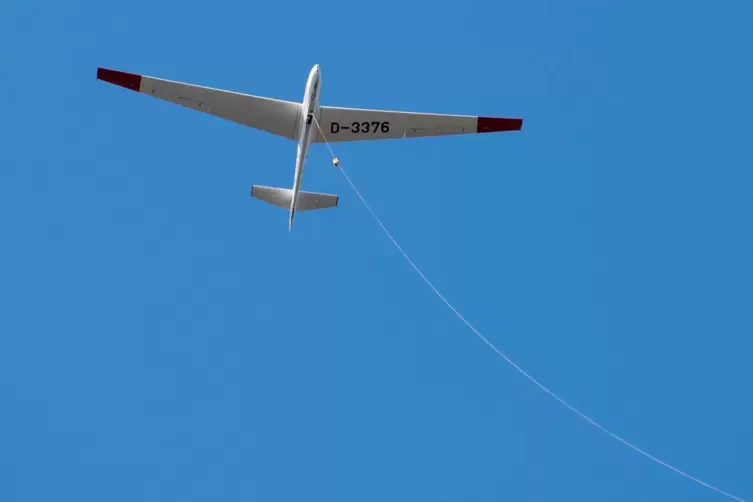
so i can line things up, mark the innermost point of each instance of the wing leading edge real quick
(274, 116)
(354, 124)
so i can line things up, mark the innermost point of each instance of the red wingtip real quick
(121, 78)
(492, 124)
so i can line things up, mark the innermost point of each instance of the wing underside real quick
(354, 124)
(282, 118)
(274, 116)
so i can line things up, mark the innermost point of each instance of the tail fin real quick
(282, 197)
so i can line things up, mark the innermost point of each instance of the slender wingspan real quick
(354, 124)
(271, 115)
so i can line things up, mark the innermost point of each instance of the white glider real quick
(295, 121)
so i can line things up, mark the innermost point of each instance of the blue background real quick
(164, 337)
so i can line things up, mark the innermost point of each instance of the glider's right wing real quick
(271, 115)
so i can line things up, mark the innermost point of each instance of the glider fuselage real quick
(308, 110)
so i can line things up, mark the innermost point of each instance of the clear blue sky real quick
(164, 338)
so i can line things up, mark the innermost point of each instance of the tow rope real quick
(336, 163)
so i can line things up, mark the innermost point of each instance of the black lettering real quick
(362, 127)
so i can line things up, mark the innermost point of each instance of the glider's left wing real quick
(274, 116)
(354, 124)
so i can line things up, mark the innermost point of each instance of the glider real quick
(294, 121)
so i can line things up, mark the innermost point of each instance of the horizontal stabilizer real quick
(282, 197)
(279, 197)
(313, 200)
